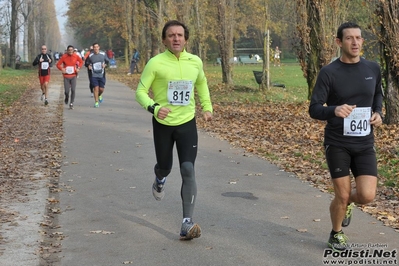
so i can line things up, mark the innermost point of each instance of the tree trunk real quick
(265, 84)
(198, 27)
(392, 101)
(138, 39)
(184, 13)
(225, 38)
(31, 33)
(317, 21)
(25, 40)
(266, 62)
(129, 31)
(387, 32)
(13, 32)
(26, 8)
(155, 24)
(154, 38)
(313, 62)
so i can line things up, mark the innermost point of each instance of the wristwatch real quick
(151, 108)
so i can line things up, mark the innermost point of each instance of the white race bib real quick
(98, 66)
(45, 65)
(70, 69)
(357, 124)
(179, 92)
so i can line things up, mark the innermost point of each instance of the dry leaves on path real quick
(30, 150)
(285, 135)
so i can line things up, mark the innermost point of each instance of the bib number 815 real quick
(181, 96)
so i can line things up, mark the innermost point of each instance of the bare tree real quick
(317, 21)
(2, 31)
(199, 40)
(388, 34)
(26, 11)
(226, 10)
(203, 28)
(132, 31)
(154, 21)
(182, 10)
(31, 31)
(13, 31)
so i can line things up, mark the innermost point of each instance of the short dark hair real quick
(70, 46)
(96, 43)
(346, 25)
(171, 23)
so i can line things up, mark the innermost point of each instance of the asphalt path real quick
(250, 211)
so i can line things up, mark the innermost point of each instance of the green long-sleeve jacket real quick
(172, 81)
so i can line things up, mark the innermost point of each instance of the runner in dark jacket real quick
(44, 61)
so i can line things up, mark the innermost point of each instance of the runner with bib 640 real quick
(348, 95)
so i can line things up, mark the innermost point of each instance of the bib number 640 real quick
(358, 125)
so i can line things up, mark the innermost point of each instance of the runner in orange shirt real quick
(68, 65)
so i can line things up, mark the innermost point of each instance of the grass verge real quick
(13, 83)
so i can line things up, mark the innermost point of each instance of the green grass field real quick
(13, 83)
(246, 89)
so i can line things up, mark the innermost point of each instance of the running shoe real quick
(96, 105)
(189, 230)
(42, 98)
(71, 106)
(338, 241)
(45, 102)
(66, 99)
(92, 95)
(348, 215)
(100, 98)
(158, 189)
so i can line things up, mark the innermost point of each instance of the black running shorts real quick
(359, 161)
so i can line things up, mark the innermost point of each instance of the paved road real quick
(251, 212)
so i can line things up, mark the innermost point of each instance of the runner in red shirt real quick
(110, 54)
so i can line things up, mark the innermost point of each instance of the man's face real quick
(70, 51)
(44, 49)
(351, 43)
(96, 48)
(174, 39)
